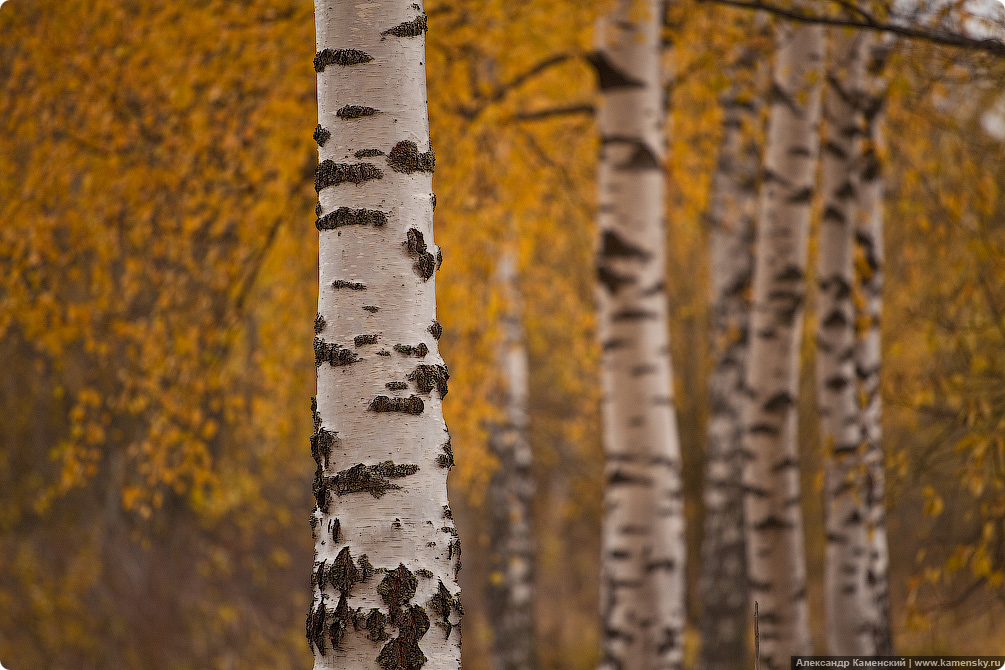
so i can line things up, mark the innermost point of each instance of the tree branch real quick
(551, 112)
(867, 22)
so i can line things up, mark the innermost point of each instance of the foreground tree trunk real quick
(510, 497)
(846, 556)
(731, 218)
(642, 563)
(384, 580)
(868, 355)
(775, 553)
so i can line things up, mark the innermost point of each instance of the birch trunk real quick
(731, 221)
(384, 583)
(642, 562)
(511, 494)
(868, 355)
(846, 555)
(775, 553)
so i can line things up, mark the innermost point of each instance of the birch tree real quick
(731, 220)
(511, 494)
(386, 550)
(642, 563)
(868, 355)
(775, 553)
(846, 554)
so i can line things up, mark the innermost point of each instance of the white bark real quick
(846, 555)
(384, 580)
(775, 553)
(731, 219)
(868, 355)
(511, 494)
(642, 581)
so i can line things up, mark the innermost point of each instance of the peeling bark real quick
(385, 593)
(775, 555)
(731, 219)
(643, 551)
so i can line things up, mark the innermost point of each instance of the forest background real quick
(158, 291)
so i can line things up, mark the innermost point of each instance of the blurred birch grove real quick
(159, 282)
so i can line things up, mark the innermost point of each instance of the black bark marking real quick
(801, 196)
(435, 330)
(779, 402)
(322, 443)
(619, 478)
(346, 216)
(396, 386)
(763, 429)
(773, 522)
(355, 112)
(340, 620)
(785, 464)
(439, 258)
(633, 315)
(405, 157)
(446, 459)
(792, 273)
(383, 352)
(418, 351)
(614, 344)
(316, 625)
(368, 153)
(342, 57)
(366, 338)
(374, 623)
(609, 77)
(403, 652)
(611, 280)
(372, 479)
(330, 173)
(344, 573)
(432, 199)
(613, 245)
(373, 309)
(335, 527)
(834, 215)
(837, 383)
(351, 285)
(321, 135)
(319, 324)
(443, 604)
(413, 28)
(336, 355)
(641, 160)
(410, 405)
(318, 209)
(415, 244)
(428, 377)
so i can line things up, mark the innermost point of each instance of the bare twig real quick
(989, 45)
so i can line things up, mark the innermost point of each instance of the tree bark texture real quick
(731, 218)
(775, 552)
(868, 354)
(384, 583)
(642, 563)
(511, 495)
(846, 599)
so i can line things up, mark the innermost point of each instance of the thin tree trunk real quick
(731, 219)
(384, 583)
(846, 555)
(868, 354)
(775, 552)
(642, 581)
(510, 497)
